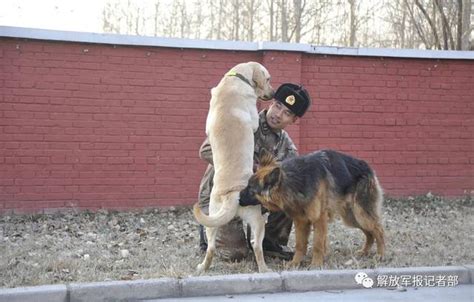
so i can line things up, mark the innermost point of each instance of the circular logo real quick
(359, 277)
(363, 279)
(367, 282)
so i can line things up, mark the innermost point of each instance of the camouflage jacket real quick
(278, 142)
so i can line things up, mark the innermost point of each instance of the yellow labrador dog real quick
(230, 126)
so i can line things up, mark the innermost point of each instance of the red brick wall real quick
(92, 126)
(412, 119)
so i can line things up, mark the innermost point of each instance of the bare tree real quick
(249, 16)
(284, 20)
(397, 19)
(440, 16)
(110, 21)
(447, 35)
(357, 20)
(271, 12)
(185, 22)
(440, 24)
(196, 20)
(465, 28)
(459, 24)
(353, 22)
(288, 19)
(156, 18)
(298, 8)
(317, 18)
(218, 15)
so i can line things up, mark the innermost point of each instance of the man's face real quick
(279, 116)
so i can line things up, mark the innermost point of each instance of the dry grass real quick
(82, 247)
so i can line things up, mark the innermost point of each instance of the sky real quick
(69, 15)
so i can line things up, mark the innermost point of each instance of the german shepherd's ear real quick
(265, 158)
(273, 178)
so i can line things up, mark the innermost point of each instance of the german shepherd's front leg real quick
(302, 229)
(319, 240)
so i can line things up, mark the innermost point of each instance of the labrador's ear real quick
(258, 76)
(265, 158)
(273, 178)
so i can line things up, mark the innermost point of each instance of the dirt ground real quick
(102, 246)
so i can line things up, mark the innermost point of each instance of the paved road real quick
(460, 293)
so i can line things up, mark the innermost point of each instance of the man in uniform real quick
(290, 103)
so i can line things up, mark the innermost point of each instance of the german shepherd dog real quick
(312, 189)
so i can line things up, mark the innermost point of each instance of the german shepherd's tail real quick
(225, 214)
(367, 210)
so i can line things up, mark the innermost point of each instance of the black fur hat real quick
(295, 97)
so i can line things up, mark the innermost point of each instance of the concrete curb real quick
(470, 268)
(231, 284)
(50, 293)
(299, 281)
(123, 290)
(287, 281)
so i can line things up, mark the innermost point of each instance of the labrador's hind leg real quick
(257, 224)
(211, 234)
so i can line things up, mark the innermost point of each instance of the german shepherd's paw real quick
(317, 260)
(292, 264)
(316, 266)
(379, 258)
(362, 253)
(366, 253)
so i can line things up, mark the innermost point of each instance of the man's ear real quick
(273, 178)
(265, 158)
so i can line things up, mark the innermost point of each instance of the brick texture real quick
(94, 126)
(412, 119)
